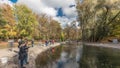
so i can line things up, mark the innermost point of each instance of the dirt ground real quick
(5, 44)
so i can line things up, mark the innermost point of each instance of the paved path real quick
(36, 49)
(33, 51)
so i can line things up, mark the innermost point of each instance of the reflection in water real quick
(70, 59)
(63, 59)
(65, 56)
(60, 64)
(71, 56)
(78, 54)
(100, 57)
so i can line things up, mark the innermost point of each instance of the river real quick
(73, 56)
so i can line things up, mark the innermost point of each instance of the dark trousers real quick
(21, 63)
(22, 59)
(32, 45)
(26, 59)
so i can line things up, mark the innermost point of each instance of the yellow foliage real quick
(12, 33)
(7, 26)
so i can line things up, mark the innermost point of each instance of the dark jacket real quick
(23, 51)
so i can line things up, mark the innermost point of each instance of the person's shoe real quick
(23, 67)
(27, 62)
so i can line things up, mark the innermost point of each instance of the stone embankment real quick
(9, 59)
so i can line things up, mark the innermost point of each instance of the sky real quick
(63, 11)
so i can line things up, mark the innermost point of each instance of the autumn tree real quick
(20, 21)
(27, 22)
(97, 18)
(7, 22)
(48, 28)
(55, 29)
(72, 32)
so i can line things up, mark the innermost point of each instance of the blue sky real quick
(60, 12)
(13, 1)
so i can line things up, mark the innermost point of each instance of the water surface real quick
(73, 56)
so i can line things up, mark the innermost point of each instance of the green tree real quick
(43, 26)
(54, 30)
(7, 21)
(97, 18)
(27, 21)
(2, 22)
(48, 28)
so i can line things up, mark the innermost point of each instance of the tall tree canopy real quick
(49, 28)
(98, 19)
(20, 21)
(27, 22)
(7, 22)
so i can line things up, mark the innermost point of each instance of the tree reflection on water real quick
(99, 57)
(64, 56)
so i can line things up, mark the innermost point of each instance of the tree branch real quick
(114, 18)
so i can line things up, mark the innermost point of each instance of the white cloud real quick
(58, 3)
(39, 7)
(5, 2)
(70, 12)
(48, 7)
(64, 20)
(49, 11)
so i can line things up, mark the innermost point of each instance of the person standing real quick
(53, 41)
(19, 42)
(26, 52)
(46, 43)
(10, 43)
(22, 54)
(49, 42)
(32, 42)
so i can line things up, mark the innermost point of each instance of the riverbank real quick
(104, 45)
(9, 58)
